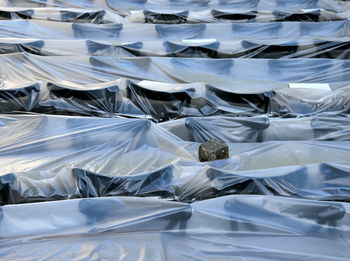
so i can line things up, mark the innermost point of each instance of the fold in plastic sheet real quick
(55, 157)
(210, 48)
(151, 32)
(227, 228)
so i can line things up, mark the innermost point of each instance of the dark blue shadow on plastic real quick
(22, 14)
(19, 99)
(97, 31)
(184, 31)
(255, 50)
(97, 17)
(165, 18)
(263, 30)
(239, 4)
(105, 99)
(105, 49)
(156, 183)
(233, 16)
(29, 47)
(200, 50)
(307, 16)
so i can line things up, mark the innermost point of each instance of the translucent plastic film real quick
(164, 101)
(233, 15)
(222, 73)
(108, 106)
(124, 5)
(234, 227)
(206, 15)
(206, 48)
(73, 15)
(259, 129)
(234, 88)
(154, 32)
(55, 157)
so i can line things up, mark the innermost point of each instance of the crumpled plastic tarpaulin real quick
(165, 101)
(155, 32)
(36, 86)
(334, 5)
(336, 48)
(214, 15)
(227, 74)
(104, 105)
(56, 157)
(228, 228)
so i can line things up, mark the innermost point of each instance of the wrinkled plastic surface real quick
(259, 129)
(269, 49)
(233, 86)
(226, 92)
(228, 228)
(124, 5)
(333, 5)
(221, 14)
(153, 32)
(74, 15)
(56, 157)
(105, 103)
(226, 74)
(100, 14)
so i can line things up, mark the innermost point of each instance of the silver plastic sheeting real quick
(175, 12)
(56, 157)
(168, 101)
(258, 75)
(210, 48)
(233, 15)
(83, 4)
(154, 32)
(333, 5)
(104, 105)
(76, 15)
(259, 129)
(104, 16)
(227, 228)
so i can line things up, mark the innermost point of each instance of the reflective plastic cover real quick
(104, 105)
